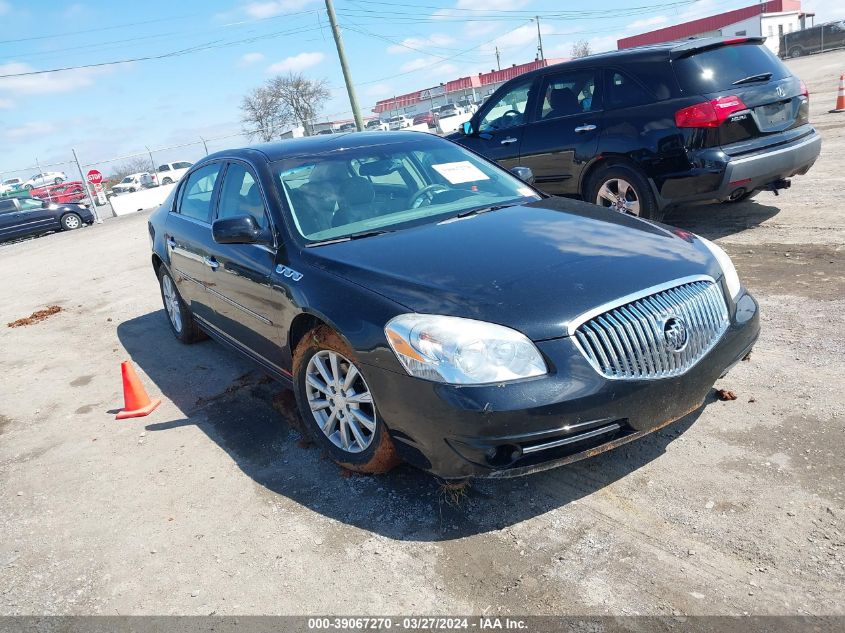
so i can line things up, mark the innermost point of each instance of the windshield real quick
(128, 179)
(388, 187)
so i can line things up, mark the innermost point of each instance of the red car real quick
(65, 193)
(425, 117)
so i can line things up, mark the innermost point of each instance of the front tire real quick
(58, 181)
(337, 406)
(71, 222)
(623, 189)
(167, 181)
(181, 321)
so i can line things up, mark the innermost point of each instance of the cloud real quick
(296, 63)
(5, 7)
(379, 90)
(74, 10)
(435, 40)
(29, 130)
(646, 22)
(45, 83)
(250, 58)
(519, 37)
(6, 104)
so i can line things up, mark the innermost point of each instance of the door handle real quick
(171, 242)
(585, 128)
(508, 140)
(210, 262)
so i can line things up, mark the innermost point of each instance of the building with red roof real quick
(770, 19)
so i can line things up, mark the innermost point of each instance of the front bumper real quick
(567, 415)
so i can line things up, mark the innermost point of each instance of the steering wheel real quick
(430, 190)
(510, 115)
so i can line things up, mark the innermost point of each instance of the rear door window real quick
(197, 193)
(568, 93)
(717, 69)
(625, 92)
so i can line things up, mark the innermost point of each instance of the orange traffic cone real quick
(136, 401)
(840, 96)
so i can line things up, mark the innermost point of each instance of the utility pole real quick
(338, 40)
(539, 37)
(498, 63)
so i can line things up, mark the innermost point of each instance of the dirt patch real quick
(81, 381)
(4, 422)
(36, 317)
(807, 270)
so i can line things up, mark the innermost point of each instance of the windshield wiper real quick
(348, 238)
(477, 210)
(752, 79)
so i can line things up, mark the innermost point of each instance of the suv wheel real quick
(336, 404)
(623, 189)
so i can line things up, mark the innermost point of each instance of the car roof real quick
(319, 144)
(662, 51)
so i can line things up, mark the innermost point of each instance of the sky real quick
(194, 60)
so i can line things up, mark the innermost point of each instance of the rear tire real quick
(71, 221)
(623, 189)
(796, 51)
(58, 181)
(181, 321)
(167, 181)
(355, 436)
(743, 197)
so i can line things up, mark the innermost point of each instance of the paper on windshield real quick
(461, 171)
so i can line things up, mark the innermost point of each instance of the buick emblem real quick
(781, 92)
(675, 334)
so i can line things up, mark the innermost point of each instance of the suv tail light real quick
(709, 113)
(804, 90)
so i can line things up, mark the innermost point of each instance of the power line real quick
(194, 49)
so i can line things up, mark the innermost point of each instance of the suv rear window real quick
(716, 69)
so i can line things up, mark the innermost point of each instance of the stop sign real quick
(95, 177)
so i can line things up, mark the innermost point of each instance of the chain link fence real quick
(815, 39)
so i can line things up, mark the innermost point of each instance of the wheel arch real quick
(606, 160)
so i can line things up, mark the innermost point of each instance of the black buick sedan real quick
(426, 305)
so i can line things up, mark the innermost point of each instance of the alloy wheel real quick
(619, 195)
(171, 302)
(340, 401)
(71, 222)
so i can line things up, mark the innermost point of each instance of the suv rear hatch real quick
(757, 102)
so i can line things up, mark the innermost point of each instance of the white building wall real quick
(749, 27)
(769, 23)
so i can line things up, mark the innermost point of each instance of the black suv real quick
(645, 129)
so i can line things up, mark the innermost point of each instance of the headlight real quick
(462, 351)
(728, 269)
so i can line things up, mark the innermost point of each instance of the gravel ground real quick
(214, 504)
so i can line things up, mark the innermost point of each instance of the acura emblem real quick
(781, 92)
(675, 334)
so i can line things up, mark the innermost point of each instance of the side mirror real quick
(240, 229)
(466, 128)
(523, 173)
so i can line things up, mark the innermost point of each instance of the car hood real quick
(532, 267)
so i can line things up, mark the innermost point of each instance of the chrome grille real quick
(639, 339)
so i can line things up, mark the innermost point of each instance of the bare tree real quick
(284, 101)
(134, 165)
(262, 116)
(581, 48)
(301, 99)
